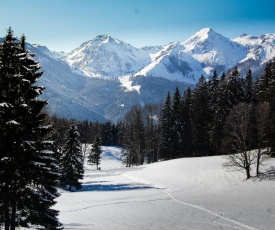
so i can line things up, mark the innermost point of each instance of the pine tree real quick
(201, 117)
(220, 111)
(72, 161)
(266, 93)
(248, 87)
(94, 156)
(235, 89)
(187, 147)
(134, 143)
(177, 125)
(28, 168)
(165, 150)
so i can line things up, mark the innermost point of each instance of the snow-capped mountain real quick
(260, 50)
(75, 95)
(104, 77)
(186, 61)
(108, 57)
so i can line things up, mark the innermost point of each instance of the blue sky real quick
(65, 24)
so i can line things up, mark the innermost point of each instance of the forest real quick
(226, 114)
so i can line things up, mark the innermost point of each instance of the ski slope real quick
(190, 193)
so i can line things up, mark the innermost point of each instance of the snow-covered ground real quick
(189, 193)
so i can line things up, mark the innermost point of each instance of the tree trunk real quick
(247, 169)
(7, 212)
(258, 162)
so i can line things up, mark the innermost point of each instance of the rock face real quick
(104, 77)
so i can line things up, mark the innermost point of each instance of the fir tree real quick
(28, 168)
(235, 89)
(166, 130)
(187, 147)
(248, 87)
(94, 156)
(176, 125)
(201, 117)
(72, 161)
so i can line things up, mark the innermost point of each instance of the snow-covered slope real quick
(188, 193)
(213, 49)
(260, 50)
(104, 77)
(202, 53)
(74, 95)
(174, 64)
(108, 57)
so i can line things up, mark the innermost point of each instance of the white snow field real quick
(188, 193)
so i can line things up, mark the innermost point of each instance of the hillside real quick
(189, 193)
(104, 77)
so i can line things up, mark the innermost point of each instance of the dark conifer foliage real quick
(187, 147)
(94, 155)
(200, 118)
(134, 143)
(165, 150)
(249, 88)
(28, 167)
(176, 125)
(71, 162)
(194, 124)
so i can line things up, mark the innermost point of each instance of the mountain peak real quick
(203, 35)
(205, 31)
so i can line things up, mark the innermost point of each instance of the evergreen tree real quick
(187, 147)
(28, 168)
(165, 150)
(72, 160)
(248, 88)
(271, 96)
(151, 114)
(134, 142)
(176, 125)
(94, 156)
(235, 89)
(201, 117)
(266, 93)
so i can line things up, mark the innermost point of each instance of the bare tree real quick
(237, 138)
(262, 125)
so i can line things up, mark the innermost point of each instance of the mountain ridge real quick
(103, 78)
(185, 61)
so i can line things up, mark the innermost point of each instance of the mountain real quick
(260, 50)
(104, 77)
(108, 57)
(202, 53)
(72, 94)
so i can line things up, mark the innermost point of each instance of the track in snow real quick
(219, 216)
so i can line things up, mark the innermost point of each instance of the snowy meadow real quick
(188, 193)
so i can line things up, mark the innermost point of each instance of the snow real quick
(108, 57)
(189, 193)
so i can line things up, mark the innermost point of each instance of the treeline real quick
(199, 122)
(108, 133)
(196, 123)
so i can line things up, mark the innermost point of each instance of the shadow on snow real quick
(111, 187)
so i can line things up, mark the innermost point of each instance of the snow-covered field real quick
(189, 193)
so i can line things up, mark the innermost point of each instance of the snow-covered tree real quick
(71, 162)
(28, 168)
(94, 156)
